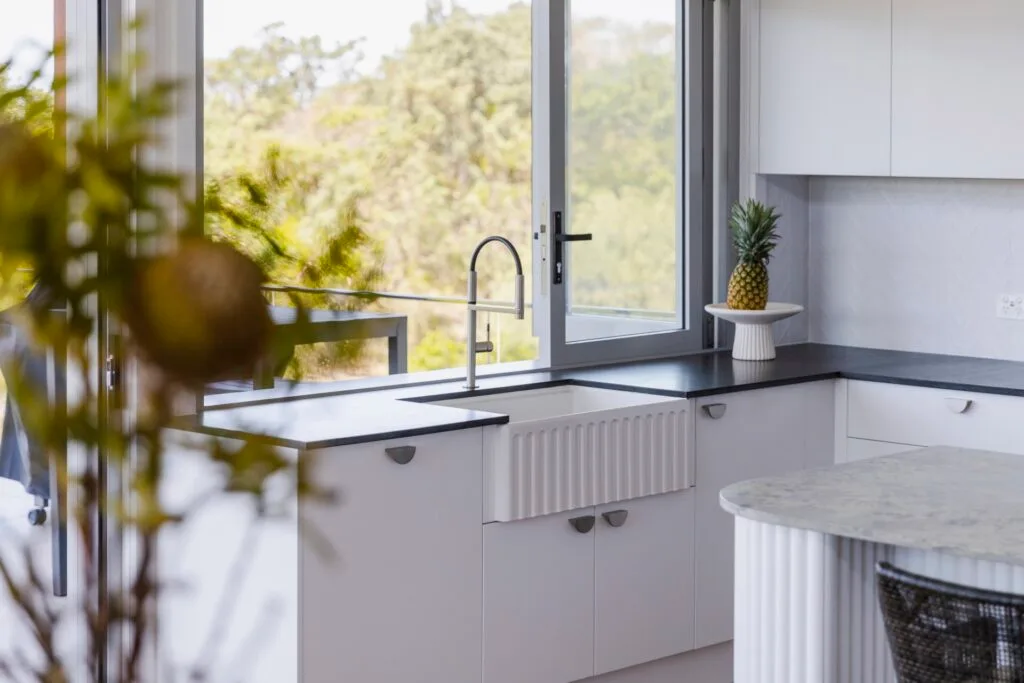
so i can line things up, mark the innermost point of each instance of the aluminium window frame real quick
(693, 235)
(698, 242)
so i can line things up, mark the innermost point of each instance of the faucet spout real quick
(501, 240)
(518, 307)
(519, 303)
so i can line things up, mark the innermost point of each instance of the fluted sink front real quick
(569, 447)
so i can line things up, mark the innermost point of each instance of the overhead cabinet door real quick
(825, 102)
(958, 88)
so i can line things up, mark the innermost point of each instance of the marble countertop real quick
(385, 409)
(955, 500)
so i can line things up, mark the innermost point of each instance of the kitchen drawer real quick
(935, 417)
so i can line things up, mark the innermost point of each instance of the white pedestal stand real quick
(754, 337)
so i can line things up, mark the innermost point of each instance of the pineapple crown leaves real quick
(754, 231)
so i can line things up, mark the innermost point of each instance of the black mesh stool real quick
(941, 632)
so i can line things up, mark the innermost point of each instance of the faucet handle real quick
(520, 300)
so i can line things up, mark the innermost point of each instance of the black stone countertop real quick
(309, 422)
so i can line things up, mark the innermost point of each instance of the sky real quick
(23, 21)
(229, 23)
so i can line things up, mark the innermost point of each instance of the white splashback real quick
(916, 264)
(788, 268)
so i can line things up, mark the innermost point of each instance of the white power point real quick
(1010, 306)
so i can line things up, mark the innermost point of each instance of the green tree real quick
(433, 149)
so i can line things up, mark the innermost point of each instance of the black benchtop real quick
(308, 422)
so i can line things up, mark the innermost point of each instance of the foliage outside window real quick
(431, 143)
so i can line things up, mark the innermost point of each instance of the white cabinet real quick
(225, 548)
(563, 602)
(934, 417)
(539, 600)
(643, 576)
(958, 88)
(863, 449)
(402, 599)
(744, 436)
(824, 87)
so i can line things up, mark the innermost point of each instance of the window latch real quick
(560, 239)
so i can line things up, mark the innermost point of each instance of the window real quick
(625, 141)
(427, 125)
(416, 115)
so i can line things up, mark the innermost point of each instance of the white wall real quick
(916, 264)
(787, 271)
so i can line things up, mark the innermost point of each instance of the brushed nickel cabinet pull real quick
(715, 410)
(583, 524)
(401, 454)
(615, 518)
(959, 405)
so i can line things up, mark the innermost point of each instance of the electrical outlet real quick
(1010, 306)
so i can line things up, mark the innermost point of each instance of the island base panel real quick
(806, 610)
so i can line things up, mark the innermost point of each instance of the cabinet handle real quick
(615, 518)
(715, 410)
(583, 524)
(401, 454)
(959, 405)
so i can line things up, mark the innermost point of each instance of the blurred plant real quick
(266, 212)
(106, 234)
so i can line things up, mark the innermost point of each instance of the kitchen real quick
(882, 134)
(662, 499)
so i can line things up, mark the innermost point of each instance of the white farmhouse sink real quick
(569, 447)
(537, 404)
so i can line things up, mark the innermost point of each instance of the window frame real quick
(695, 243)
(693, 236)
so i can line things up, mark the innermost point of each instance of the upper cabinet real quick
(824, 104)
(907, 88)
(958, 88)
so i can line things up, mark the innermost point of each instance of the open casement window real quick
(454, 121)
(618, 182)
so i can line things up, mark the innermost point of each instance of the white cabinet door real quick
(759, 433)
(539, 600)
(824, 90)
(226, 549)
(934, 417)
(863, 449)
(958, 88)
(644, 564)
(402, 600)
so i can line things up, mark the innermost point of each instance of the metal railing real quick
(493, 323)
(643, 313)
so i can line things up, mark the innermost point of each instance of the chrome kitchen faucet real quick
(517, 309)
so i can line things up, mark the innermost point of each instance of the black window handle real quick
(561, 238)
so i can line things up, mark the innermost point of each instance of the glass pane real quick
(417, 114)
(624, 143)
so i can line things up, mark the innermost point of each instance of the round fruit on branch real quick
(198, 313)
(754, 236)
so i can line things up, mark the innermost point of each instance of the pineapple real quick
(754, 237)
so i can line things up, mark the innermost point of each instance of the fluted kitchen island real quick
(807, 543)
